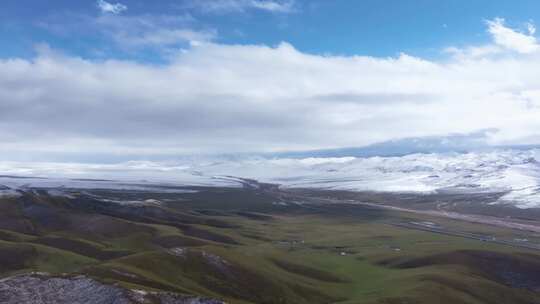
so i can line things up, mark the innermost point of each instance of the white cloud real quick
(160, 34)
(531, 28)
(149, 31)
(273, 6)
(227, 6)
(474, 51)
(111, 8)
(234, 98)
(162, 37)
(505, 40)
(130, 33)
(512, 39)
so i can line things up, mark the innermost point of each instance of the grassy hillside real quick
(251, 246)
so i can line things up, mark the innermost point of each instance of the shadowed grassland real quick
(250, 246)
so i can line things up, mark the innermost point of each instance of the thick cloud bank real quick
(216, 98)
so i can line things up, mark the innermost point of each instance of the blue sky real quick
(130, 79)
(368, 27)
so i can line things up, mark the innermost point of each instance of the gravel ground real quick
(45, 289)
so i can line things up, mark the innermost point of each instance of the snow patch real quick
(515, 173)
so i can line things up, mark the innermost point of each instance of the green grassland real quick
(241, 246)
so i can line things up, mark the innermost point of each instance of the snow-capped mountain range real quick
(513, 172)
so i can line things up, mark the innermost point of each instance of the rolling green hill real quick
(253, 246)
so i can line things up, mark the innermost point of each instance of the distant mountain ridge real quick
(459, 143)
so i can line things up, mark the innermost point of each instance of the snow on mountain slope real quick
(125, 176)
(515, 172)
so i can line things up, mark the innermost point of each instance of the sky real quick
(98, 81)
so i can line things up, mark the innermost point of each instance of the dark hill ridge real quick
(517, 270)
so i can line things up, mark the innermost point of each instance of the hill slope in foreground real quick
(256, 244)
